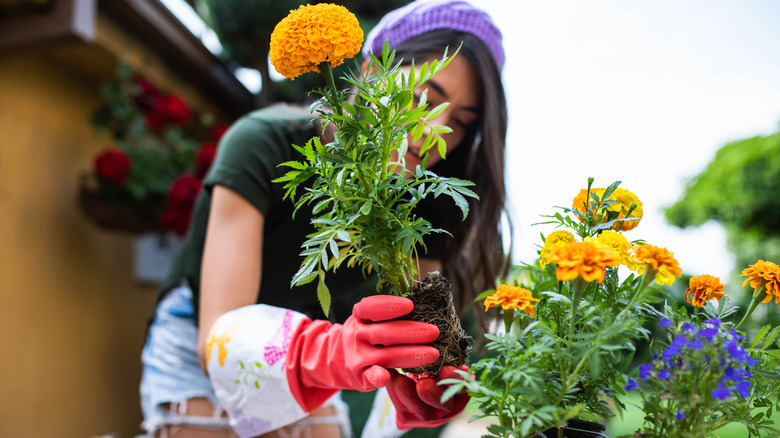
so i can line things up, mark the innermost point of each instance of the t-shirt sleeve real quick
(249, 154)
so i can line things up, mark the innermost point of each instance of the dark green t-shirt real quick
(247, 162)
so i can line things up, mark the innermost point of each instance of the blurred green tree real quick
(244, 30)
(740, 189)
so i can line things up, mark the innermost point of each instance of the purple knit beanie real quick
(423, 16)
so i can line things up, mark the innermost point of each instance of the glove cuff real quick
(310, 393)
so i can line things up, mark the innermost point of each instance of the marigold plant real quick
(312, 35)
(568, 355)
(363, 199)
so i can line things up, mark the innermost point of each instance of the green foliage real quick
(363, 197)
(739, 190)
(244, 27)
(158, 157)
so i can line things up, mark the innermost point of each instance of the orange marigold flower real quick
(588, 260)
(512, 297)
(554, 240)
(658, 260)
(313, 34)
(703, 288)
(622, 200)
(766, 274)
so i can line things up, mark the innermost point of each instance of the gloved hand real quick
(418, 404)
(324, 358)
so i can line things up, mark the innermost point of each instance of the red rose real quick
(174, 111)
(218, 130)
(181, 200)
(168, 110)
(154, 120)
(113, 165)
(147, 97)
(203, 158)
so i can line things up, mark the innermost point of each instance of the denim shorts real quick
(172, 373)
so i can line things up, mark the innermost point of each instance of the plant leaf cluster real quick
(363, 197)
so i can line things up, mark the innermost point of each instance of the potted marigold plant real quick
(705, 372)
(571, 322)
(149, 175)
(364, 199)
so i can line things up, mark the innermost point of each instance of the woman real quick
(229, 287)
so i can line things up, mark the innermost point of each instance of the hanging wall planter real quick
(123, 216)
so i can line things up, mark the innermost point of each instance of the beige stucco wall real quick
(73, 318)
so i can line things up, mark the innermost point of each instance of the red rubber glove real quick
(324, 358)
(419, 404)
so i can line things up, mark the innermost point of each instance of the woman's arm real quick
(232, 260)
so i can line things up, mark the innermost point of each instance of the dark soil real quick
(433, 304)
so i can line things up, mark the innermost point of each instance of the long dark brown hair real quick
(476, 257)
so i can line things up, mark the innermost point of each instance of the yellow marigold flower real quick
(313, 34)
(554, 240)
(766, 274)
(703, 288)
(622, 202)
(588, 260)
(620, 245)
(660, 261)
(512, 297)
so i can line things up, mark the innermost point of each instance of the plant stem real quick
(646, 279)
(327, 72)
(578, 285)
(757, 297)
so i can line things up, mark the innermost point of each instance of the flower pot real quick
(577, 429)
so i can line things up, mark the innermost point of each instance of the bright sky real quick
(637, 91)
(644, 92)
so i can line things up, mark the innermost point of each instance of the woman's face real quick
(458, 84)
